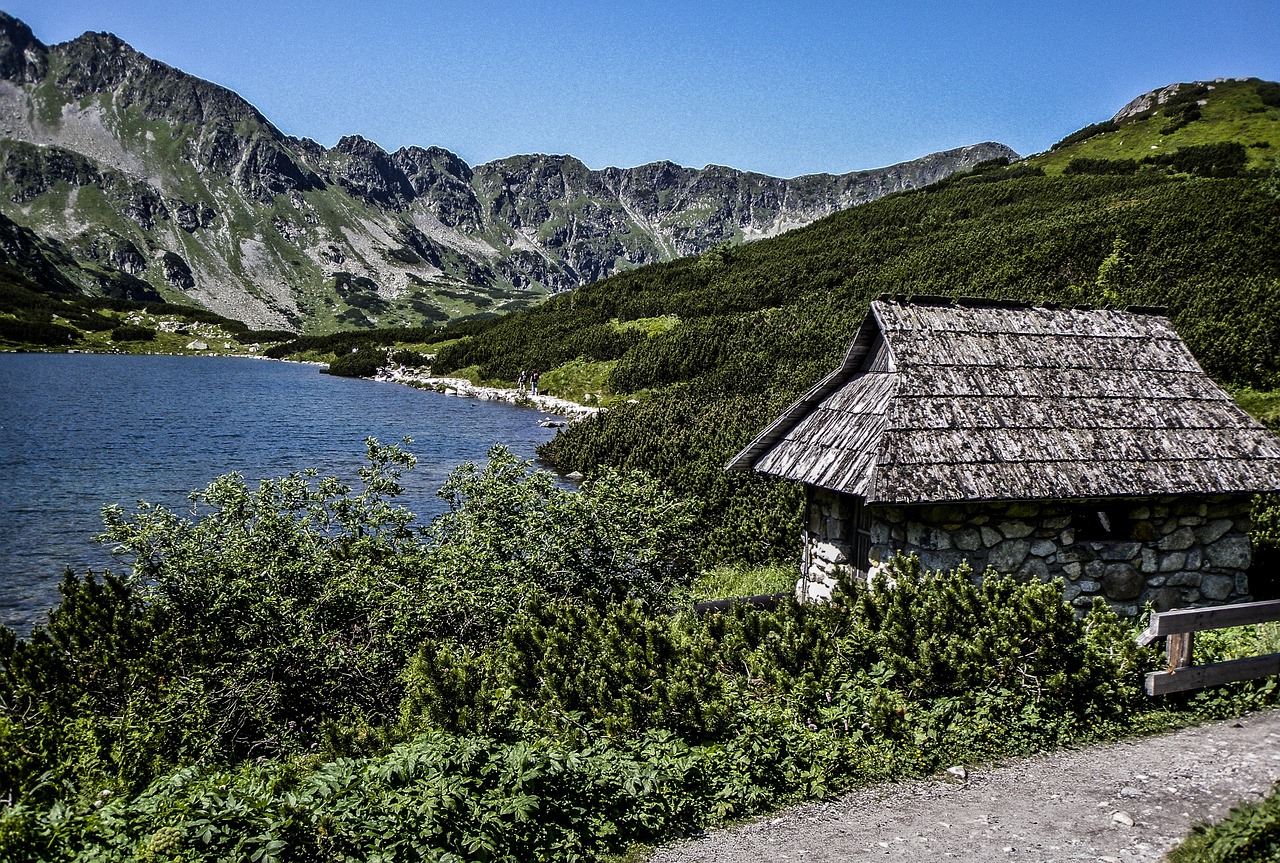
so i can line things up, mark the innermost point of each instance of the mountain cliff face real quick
(127, 164)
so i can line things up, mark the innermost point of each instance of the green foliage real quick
(71, 693)
(1182, 109)
(276, 620)
(279, 603)
(600, 341)
(349, 342)
(935, 649)
(737, 580)
(36, 333)
(132, 333)
(578, 380)
(1115, 274)
(1101, 166)
(412, 359)
(570, 731)
(1223, 159)
(1269, 93)
(510, 534)
(1086, 133)
(1250, 833)
(362, 363)
(33, 307)
(689, 438)
(446, 798)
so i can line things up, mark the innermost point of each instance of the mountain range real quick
(147, 182)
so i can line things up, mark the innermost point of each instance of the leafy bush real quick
(37, 332)
(132, 333)
(347, 342)
(1249, 833)
(277, 620)
(917, 662)
(1269, 93)
(445, 798)
(1086, 133)
(363, 363)
(413, 359)
(583, 729)
(510, 534)
(1100, 166)
(1223, 159)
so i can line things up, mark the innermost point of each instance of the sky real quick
(783, 88)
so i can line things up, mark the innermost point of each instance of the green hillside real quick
(1197, 231)
(1239, 111)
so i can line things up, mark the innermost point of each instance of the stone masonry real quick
(1172, 552)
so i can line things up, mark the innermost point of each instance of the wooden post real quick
(1177, 627)
(1178, 649)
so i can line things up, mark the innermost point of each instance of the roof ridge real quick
(969, 302)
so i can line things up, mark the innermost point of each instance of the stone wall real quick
(1172, 552)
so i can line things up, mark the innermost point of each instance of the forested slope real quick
(760, 323)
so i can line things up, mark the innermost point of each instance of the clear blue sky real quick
(783, 88)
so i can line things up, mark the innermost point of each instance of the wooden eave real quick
(940, 403)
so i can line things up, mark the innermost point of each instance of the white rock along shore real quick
(463, 387)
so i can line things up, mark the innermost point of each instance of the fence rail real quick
(1178, 628)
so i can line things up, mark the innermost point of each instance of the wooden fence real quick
(1178, 628)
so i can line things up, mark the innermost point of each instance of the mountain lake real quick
(80, 431)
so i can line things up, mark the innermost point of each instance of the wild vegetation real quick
(302, 672)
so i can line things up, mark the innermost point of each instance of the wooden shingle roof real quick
(943, 402)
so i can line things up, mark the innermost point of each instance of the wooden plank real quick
(1178, 648)
(1200, 676)
(1199, 619)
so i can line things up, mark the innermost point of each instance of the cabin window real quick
(1098, 523)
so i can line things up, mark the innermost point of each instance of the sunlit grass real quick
(1262, 405)
(728, 582)
(579, 380)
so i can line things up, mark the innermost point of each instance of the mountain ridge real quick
(104, 146)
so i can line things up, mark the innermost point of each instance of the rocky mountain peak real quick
(1158, 97)
(370, 173)
(274, 229)
(414, 160)
(358, 145)
(23, 58)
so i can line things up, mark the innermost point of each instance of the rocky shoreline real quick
(570, 411)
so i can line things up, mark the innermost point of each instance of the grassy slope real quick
(1233, 111)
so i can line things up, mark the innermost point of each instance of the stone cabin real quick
(1082, 444)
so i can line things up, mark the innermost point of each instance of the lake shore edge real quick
(570, 410)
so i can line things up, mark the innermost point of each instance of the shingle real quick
(938, 403)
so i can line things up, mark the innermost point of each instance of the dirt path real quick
(1115, 802)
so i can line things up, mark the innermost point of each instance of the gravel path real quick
(1115, 802)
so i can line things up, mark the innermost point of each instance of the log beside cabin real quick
(1072, 443)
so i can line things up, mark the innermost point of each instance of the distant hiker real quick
(520, 381)
(533, 382)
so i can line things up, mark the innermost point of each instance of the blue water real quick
(79, 431)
